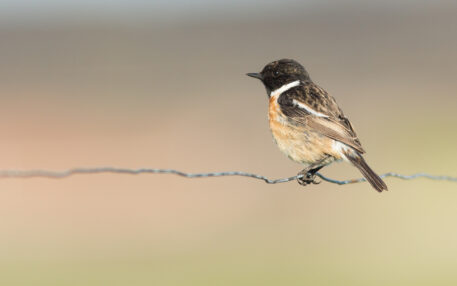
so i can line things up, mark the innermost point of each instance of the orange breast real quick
(299, 143)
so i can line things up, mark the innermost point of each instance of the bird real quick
(308, 125)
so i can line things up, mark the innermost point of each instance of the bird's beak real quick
(255, 75)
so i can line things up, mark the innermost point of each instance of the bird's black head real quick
(278, 73)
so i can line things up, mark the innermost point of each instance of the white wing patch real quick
(308, 109)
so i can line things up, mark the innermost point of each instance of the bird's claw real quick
(306, 178)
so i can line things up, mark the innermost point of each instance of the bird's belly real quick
(298, 143)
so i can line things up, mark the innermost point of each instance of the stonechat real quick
(307, 123)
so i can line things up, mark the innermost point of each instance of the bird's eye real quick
(276, 72)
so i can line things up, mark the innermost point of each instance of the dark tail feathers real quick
(367, 172)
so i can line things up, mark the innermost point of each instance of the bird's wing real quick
(336, 131)
(310, 105)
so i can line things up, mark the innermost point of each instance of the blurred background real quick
(162, 84)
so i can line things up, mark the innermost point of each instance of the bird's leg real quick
(308, 175)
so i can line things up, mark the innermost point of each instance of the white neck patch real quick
(277, 92)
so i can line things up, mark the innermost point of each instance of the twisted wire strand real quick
(113, 170)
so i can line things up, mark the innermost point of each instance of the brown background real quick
(172, 93)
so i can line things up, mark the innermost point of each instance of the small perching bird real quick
(307, 123)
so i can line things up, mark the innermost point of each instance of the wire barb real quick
(112, 170)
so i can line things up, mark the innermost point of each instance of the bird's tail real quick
(357, 160)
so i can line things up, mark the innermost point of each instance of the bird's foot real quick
(307, 177)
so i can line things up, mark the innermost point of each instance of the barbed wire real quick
(113, 170)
